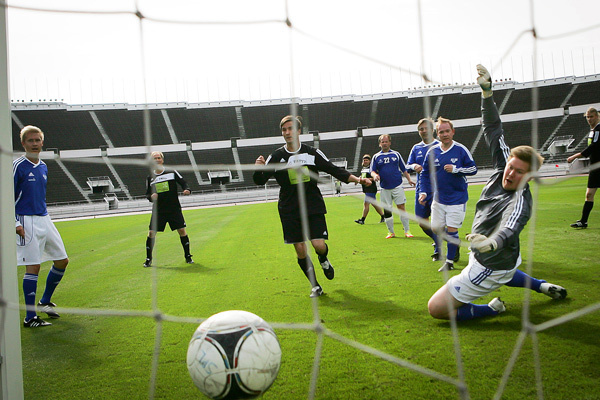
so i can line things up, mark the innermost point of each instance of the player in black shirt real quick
(161, 189)
(369, 191)
(593, 152)
(310, 160)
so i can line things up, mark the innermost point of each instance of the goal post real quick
(11, 363)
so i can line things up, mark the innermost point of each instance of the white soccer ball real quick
(232, 355)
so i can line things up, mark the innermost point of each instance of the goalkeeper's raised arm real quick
(492, 125)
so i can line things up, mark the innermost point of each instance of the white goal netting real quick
(327, 51)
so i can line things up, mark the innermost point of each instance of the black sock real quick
(587, 208)
(309, 271)
(149, 247)
(323, 257)
(185, 242)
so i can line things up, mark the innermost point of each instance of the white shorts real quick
(443, 215)
(395, 195)
(476, 281)
(41, 243)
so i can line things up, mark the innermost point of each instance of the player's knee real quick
(387, 213)
(436, 309)
(61, 264)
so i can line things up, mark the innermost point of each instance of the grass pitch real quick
(378, 298)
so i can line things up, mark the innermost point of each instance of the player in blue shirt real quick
(387, 168)
(452, 163)
(38, 240)
(425, 127)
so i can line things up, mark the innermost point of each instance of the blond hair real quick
(529, 155)
(295, 120)
(428, 120)
(30, 129)
(382, 136)
(159, 153)
(442, 120)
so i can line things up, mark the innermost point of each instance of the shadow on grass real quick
(186, 268)
(364, 308)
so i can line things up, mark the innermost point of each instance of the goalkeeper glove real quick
(484, 80)
(481, 243)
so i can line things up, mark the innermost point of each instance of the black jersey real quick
(365, 172)
(500, 214)
(287, 178)
(593, 149)
(165, 185)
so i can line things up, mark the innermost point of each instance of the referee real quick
(593, 152)
(161, 189)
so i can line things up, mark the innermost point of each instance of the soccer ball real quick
(233, 355)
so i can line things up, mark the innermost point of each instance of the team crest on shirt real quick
(457, 288)
(454, 160)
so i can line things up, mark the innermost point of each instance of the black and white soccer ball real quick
(234, 355)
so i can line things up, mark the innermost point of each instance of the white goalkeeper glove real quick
(481, 243)
(484, 80)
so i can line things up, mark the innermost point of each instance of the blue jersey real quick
(451, 186)
(30, 187)
(417, 156)
(390, 167)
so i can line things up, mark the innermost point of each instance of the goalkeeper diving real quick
(502, 212)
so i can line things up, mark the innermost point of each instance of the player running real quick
(312, 160)
(502, 211)
(387, 168)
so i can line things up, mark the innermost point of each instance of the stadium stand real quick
(204, 124)
(134, 176)
(126, 127)
(60, 188)
(227, 133)
(459, 106)
(338, 116)
(263, 121)
(586, 93)
(64, 130)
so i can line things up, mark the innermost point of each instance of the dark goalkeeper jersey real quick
(287, 178)
(165, 185)
(500, 214)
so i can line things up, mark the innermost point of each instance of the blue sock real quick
(54, 276)
(29, 290)
(433, 236)
(520, 280)
(471, 311)
(452, 247)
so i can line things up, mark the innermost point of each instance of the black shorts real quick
(292, 228)
(594, 179)
(175, 220)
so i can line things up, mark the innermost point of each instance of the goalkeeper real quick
(502, 211)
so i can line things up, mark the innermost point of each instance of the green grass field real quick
(378, 298)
